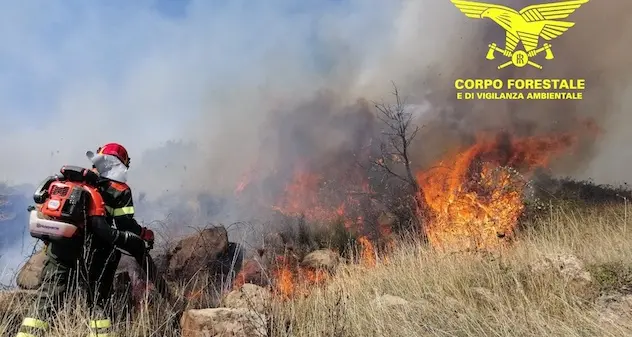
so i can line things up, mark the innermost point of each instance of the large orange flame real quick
(475, 197)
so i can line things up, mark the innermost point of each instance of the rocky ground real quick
(569, 274)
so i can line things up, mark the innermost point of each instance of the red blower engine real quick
(61, 202)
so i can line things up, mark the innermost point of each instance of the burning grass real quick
(469, 294)
(447, 294)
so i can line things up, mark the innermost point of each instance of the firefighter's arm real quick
(123, 215)
(125, 240)
(128, 223)
(97, 223)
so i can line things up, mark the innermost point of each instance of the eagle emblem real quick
(527, 26)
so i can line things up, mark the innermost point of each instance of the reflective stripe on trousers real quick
(100, 328)
(32, 327)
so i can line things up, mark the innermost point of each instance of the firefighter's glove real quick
(148, 236)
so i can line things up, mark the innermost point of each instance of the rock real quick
(161, 258)
(197, 252)
(390, 301)
(29, 276)
(249, 296)
(568, 266)
(321, 259)
(223, 322)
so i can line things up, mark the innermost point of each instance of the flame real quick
(239, 280)
(246, 179)
(292, 280)
(242, 185)
(321, 200)
(284, 281)
(471, 199)
(302, 198)
(367, 254)
(475, 197)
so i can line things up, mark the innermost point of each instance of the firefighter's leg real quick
(55, 280)
(104, 263)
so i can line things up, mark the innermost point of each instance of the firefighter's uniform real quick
(90, 258)
(90, 261)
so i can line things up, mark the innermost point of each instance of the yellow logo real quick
(526, 26)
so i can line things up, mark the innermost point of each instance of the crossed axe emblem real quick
(519, 58)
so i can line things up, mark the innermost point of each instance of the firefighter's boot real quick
(101, 328)
(32, 327)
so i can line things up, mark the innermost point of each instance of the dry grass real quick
(448, 294)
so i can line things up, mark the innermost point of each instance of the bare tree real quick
(395, 148)
(399, 135)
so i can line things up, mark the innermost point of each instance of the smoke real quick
(358, 52)
(423, 47)
(208, 74)
(13, 217)
(206, 92)
(594, 49)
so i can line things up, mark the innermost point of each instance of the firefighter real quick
(84, 260)
(97, 264)
(112, 162)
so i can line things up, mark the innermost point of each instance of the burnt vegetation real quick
(369, 187)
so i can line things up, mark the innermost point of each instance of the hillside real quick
(567, 273)
(483, 242)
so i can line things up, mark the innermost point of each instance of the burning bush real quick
(361, 195)
(476, 196)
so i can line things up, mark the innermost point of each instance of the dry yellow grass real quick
(447, 294)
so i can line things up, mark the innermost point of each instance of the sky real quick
(67, 66)
(75, 74)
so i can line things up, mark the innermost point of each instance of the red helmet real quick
(116, 150)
